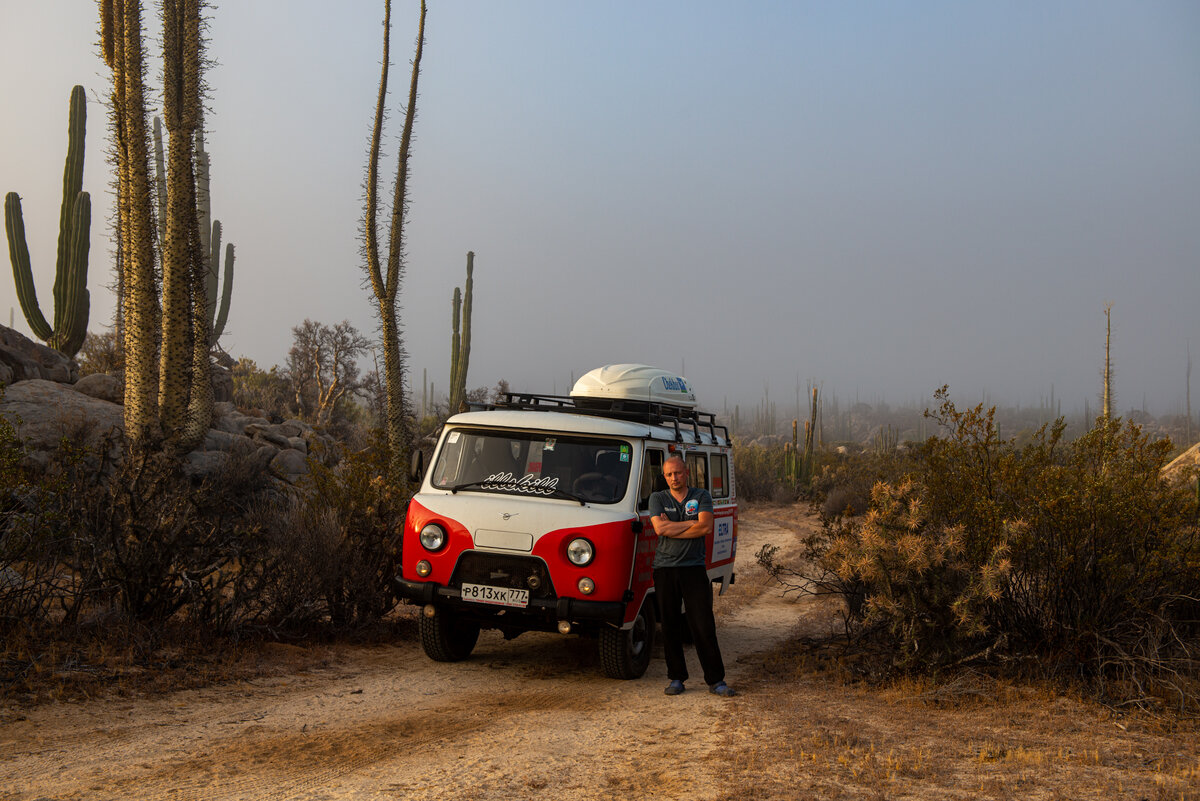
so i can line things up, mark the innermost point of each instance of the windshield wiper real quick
(524, 489)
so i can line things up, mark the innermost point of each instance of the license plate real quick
(497, 596)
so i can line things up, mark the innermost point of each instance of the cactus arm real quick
(18, 253)
(72, 303)
(160, 184)
(211, 249)
(72, 174)
(226, 294)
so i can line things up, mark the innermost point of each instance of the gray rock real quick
(267, 434)
(299, 443)
(290, 464)
(45, 412)
(205, 463)
(236, 423)
(293, 428)
(223, 441)
(102, 386)
(28, 360)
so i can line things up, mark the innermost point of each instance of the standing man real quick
(682, 517)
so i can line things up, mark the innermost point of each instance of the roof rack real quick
(656, 414)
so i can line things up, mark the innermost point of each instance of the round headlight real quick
(580, 551)
(433, 537)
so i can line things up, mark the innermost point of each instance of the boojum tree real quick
(168, 394)
(385, 278)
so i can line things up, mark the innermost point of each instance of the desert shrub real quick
(1075, 559)
(842, 485)
(335, 545)
(101, 353)
(759, 472)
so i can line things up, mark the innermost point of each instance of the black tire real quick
(447, 638)
(625, 653)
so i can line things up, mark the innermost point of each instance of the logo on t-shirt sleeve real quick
(691, 507)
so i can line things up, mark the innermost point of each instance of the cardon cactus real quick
(460, 341)
(71, 298)
(210, 232)
(210, 245)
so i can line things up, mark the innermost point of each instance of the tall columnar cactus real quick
(71, 299)
(209, 230)
(460, 341)
(210, 246)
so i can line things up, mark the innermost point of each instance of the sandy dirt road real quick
(529, 718)
(534, 718)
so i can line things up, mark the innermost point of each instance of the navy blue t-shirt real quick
(674, 552)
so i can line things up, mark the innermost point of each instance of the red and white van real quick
(533, 514)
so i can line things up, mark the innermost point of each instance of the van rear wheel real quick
(625, 653)
(446, 637)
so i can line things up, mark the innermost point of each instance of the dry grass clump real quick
(817, 731)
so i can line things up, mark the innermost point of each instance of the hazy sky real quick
(883, 197)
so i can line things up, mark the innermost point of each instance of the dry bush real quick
(1066, 559)
(335, 546)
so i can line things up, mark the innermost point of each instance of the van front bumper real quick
(574, 609)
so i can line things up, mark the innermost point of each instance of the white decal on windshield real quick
(529, 483)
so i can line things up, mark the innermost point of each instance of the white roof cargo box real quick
(635, 382)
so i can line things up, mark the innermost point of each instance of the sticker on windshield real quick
(624, 456)
(453, 438)
(548, 445)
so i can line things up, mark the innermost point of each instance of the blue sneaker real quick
(674, 688)
(722, 689)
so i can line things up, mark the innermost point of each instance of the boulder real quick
(102, 386)
(46, 412)
(27, 360)
(290, 465)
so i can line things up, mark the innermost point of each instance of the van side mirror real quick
(416, 466)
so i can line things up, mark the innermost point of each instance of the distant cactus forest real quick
(228, 502)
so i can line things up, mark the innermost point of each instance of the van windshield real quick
(534, 464)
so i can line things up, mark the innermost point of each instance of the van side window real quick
(697, 465)
(652, 477)
(720, 475)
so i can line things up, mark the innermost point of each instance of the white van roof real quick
(573, 423)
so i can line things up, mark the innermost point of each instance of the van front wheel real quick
(446, 637)
(625, 653)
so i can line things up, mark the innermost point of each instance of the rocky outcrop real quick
(44, 413)
(22, 359)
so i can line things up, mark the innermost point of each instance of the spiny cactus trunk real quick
(121, 42)
(185, 389)
(386, 285)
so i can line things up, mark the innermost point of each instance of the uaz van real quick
(533, 515)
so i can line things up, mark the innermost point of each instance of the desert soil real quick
(534, 718)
